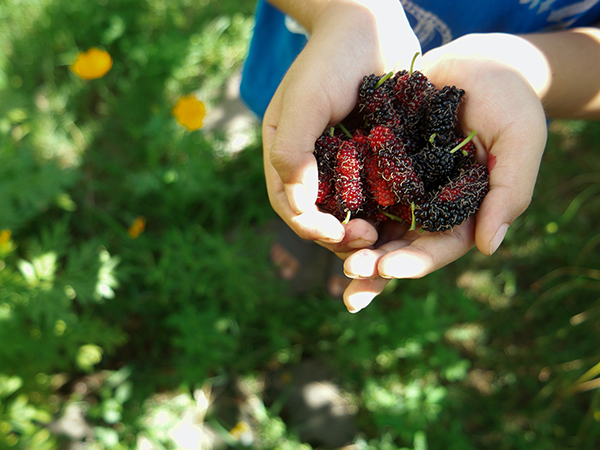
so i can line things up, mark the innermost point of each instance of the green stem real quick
(347, 219)
(413, 222)
(465, 142)
(383, 79)
(345, 130)
(391, 216)
(412, 63)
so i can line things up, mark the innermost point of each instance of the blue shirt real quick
(275, 44)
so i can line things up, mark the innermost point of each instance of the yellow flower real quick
(6, 243)
(92, 64)
(5, 236)
(240, 429)
(189, 112)
(137, 227)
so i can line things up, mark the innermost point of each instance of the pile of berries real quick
(405, 160)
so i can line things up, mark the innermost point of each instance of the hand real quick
(502, 106)
(349, 39)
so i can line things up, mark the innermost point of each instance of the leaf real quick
(9, 385)
(28, 271)
(88, 356)
(123, 392)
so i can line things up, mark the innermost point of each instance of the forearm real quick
(572, 82)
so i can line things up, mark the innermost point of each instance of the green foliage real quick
(27, 187)
(167, 332)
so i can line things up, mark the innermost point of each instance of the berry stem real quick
(345, 130)
(412, 63)
(347, 219)
(413, 222)
(391, 216)
(384, 78)
(464, 142)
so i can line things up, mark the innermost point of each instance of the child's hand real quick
(349, 40)
(502, 106)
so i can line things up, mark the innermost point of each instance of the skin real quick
(513, 84)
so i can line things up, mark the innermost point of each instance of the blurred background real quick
(139, 308)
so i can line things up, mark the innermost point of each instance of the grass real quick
(180, 332)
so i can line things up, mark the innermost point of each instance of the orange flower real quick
(189, 112)
(92, 64)
(137, 227)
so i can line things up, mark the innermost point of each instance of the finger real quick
(412, 257)
(290, 130)
(312, 224)
(501, 206)
(513, 164)
(358, 233)
(361, 234)
(362, 264)
(427, 253)
(297, 116)
(290, 166)
(316, 226)
(360, 293)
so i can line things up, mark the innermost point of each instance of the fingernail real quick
(352, 309)
(498, 238)
(359, 302)
(349, 275)
(361, 264)
(328, 240)
(354, 276)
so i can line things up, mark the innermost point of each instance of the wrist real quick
(523, 57)
(383, 23)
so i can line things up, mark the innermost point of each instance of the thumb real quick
(303, 106)
(289, 141)
(294, 120)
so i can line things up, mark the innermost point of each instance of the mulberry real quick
(380, 188)
(441, 117)
(456, 201)
(403, 158)
(348, 183)
(376, 101)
